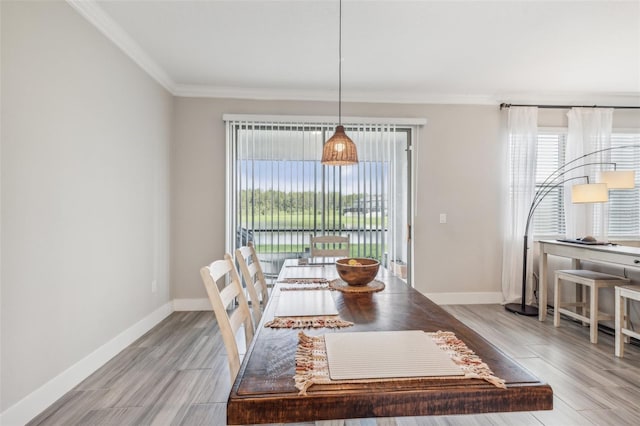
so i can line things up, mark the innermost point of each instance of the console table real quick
(624, 256)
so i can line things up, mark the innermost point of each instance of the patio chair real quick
(329, 246)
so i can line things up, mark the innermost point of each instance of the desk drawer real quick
(621, 259)
(619, 255)
(573, 252)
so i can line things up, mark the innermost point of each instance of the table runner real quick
(312, 366)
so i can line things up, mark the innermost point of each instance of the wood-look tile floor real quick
(177, 374)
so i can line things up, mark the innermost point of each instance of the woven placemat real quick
(304, 286)
(304, 280)
(342, 286)
(326, 321)
(312, 366)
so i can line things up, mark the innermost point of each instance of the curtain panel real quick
(522, 137)
(589, 130)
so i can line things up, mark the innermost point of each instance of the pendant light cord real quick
(340, 66)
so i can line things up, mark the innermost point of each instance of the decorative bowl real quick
(357, 271)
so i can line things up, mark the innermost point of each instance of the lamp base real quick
(517, 308)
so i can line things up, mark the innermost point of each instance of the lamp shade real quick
(339, 150)
(590, 193)
(618, 179)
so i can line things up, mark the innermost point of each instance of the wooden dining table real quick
(264, 390)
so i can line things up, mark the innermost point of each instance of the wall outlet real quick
(443, 218)
(154, 286)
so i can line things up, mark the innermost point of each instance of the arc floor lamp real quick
(581, 193)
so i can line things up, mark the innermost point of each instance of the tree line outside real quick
(269, 209)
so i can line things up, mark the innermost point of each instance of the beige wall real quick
(85, 151)
(622, 118)
(459, 161)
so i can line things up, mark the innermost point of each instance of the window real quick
(549, 216)
(280, 194)
(624, 205)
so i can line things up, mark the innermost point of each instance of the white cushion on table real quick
(305, 303)
(386, 354)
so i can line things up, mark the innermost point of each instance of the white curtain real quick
(522, 138)
(589, 131)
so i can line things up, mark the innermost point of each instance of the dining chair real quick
(329, 246)
(254, 280)
(223, 286)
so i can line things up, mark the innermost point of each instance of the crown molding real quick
(201, 91)
(195, 91)
(93, 13)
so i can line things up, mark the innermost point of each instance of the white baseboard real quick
(37, 401)
(465, 298)
(192, 305)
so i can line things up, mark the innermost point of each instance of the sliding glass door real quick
(279, 194)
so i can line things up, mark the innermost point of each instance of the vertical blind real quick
(279, 193)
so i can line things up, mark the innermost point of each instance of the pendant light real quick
(339, 150)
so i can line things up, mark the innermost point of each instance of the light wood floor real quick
(177, 374)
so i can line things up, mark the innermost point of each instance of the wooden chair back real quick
(223, 286)
(329, 246)
(254, 280)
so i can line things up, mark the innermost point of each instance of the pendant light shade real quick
(339, 150)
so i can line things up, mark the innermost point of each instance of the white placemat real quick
(305, 303)
(307, 272)
(386, 354)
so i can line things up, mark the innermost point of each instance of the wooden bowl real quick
(359, 274)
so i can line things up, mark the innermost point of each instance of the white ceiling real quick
(396, 51)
